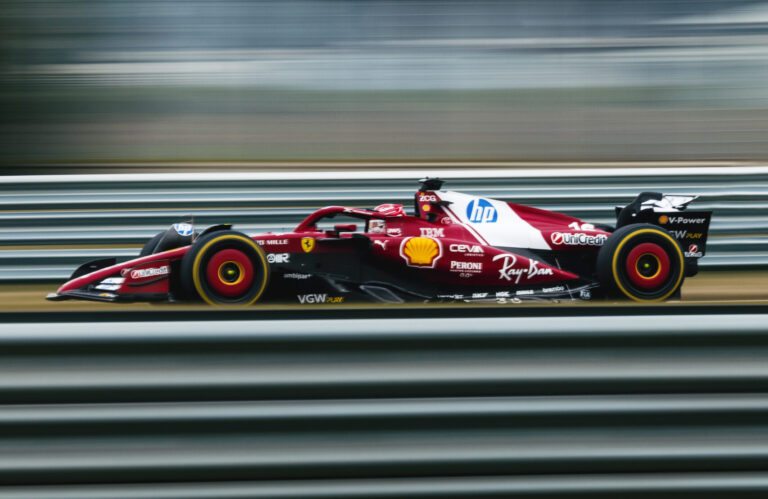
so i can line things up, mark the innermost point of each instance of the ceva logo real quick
(481, 211)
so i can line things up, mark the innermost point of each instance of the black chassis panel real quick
(354, 276)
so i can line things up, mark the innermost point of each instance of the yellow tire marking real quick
(616, 257)
(201, 253)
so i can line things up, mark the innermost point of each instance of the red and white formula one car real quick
(453, 247)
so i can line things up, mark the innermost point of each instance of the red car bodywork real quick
(454, 246)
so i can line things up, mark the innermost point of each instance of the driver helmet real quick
(376, 226)
(391, 210)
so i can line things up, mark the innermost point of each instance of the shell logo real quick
(421, 251)
(663, 219)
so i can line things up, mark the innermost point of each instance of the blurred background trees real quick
(186, 80)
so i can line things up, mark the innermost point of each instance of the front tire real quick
(225, 268)
(641, 262)
(149, 248)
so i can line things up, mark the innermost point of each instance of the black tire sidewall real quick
(200, 254)
(611, 272)
(149, 248)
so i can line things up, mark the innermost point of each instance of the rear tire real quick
(225, 268)
(641, 262)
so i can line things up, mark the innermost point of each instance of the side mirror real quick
(345, 227)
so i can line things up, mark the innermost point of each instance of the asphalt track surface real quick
(706, 289)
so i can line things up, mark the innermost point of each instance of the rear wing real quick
(689, 228)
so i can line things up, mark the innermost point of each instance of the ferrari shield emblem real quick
(307, 244)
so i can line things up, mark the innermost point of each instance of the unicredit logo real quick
(149, 272)
(577, 239)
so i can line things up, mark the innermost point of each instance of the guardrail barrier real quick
(601, 406)
(48, 222)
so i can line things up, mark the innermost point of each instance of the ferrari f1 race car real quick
(453, 247)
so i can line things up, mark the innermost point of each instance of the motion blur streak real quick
(517, 80)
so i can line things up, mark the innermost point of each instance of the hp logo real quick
(481, 211)
(183, 229)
